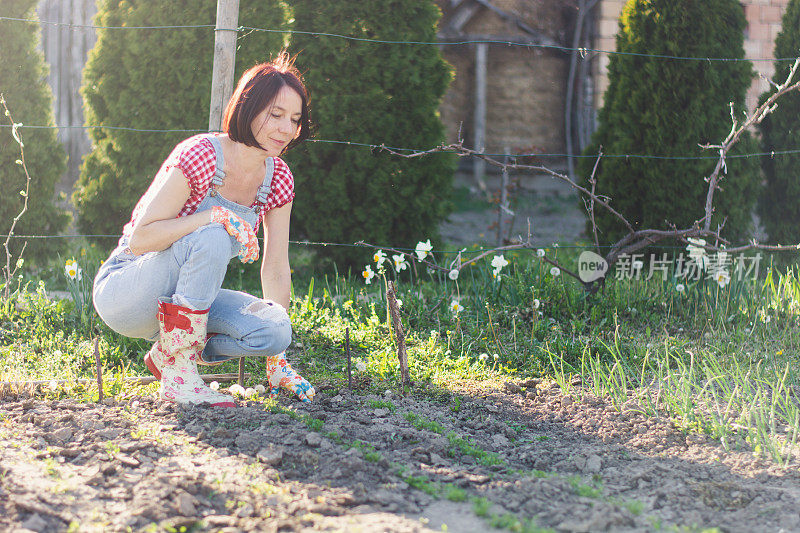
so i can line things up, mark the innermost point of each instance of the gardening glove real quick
(240, 230)
(283, 376)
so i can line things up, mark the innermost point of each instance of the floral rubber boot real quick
(282, 375)
(154, 359)
(183, 336)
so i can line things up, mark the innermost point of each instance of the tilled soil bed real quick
(359, 462)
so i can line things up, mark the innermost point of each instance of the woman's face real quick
(279, 122)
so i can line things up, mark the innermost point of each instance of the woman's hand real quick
(240, 229)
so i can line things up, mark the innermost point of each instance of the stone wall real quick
(763, 25)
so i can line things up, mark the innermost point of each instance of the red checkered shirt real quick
(195, 157)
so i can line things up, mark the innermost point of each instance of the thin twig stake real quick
(99, 369)
(402, 356)
(349, 359)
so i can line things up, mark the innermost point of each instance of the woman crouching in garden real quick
(163, 281)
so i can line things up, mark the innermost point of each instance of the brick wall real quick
(763, 25)
(525, 87)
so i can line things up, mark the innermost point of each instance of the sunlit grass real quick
(719, 360)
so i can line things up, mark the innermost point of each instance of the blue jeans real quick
(127, 288)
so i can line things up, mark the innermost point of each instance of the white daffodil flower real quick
(368, 274)
(423, 249)
(722, 278)
(498, 262)
(400, 262)
(453, 274)
(379, 257)
(456, 307)
(72, 270)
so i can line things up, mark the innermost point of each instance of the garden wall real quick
(65, 51)
(525, 86)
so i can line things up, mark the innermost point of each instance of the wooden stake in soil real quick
(402, 356)
(99, 369)
(349, 359)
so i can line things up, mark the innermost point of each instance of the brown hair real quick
(257, 89)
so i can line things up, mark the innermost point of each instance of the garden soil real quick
(574, 462)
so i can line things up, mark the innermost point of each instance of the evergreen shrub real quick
(779, 205)
(370, 93)
(24, 86)
(153, 79)
(667, 107)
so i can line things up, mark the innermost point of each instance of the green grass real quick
(385, 404)
(455, 494)
(584, 490)
(721, 361)
(459, 446)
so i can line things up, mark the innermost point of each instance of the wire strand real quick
(772, 153)
(463, 250)
(93, 27)
(582, 51)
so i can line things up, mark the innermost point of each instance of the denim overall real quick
(127, 287)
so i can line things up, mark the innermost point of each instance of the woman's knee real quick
(269, 340)
(210, 242)
(273, 333)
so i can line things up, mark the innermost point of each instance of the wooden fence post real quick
(479, 165)
(224, 60)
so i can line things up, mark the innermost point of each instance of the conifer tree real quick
(153, 79)
(364, 92)
(779, 205)
(667, 107)
(24, 86)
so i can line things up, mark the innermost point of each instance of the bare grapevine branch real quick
(8, 271)
(638, 239)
